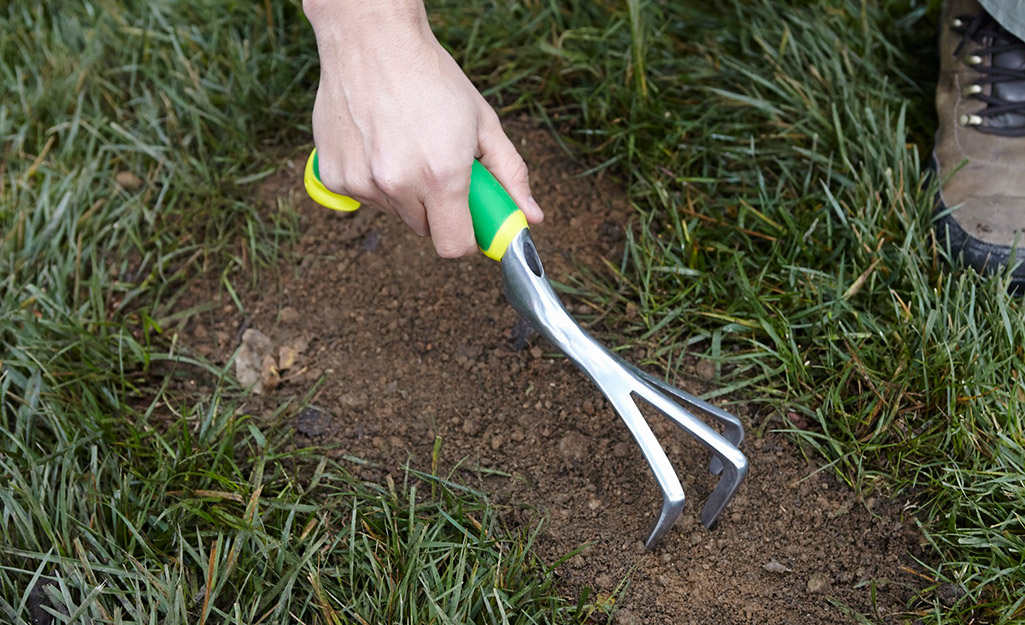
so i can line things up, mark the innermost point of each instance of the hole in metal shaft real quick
(533, 260)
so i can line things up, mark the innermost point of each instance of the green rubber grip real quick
(491, 208)
(496, 218)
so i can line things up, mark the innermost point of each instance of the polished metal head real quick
(530, 293)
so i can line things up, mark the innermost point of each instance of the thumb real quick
(499, 156)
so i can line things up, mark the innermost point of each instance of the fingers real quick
(500, 157)
(385, 187)
(431, 200)
(448, 211)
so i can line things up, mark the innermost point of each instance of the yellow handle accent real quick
(320, 194)
(503, 238)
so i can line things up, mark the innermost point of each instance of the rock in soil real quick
(950, 594)
(312, 421)
(251, 364)
(522, 333)
(819, 583)
(39, 600)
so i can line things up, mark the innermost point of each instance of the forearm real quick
(373, 35)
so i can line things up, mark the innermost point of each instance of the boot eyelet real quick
(973, 59)
(970, 120)
(971, 90)
(957, 22)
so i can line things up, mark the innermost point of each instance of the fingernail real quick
(534, 207)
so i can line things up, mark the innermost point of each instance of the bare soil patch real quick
(411, 347)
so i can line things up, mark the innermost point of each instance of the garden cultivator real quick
(502, 233)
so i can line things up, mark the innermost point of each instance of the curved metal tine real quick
(733, 460)
(673, 497)
(733, 429)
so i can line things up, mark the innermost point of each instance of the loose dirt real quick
(410, 347)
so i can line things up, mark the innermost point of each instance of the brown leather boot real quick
(980, 99)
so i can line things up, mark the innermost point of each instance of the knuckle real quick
(389, 185)
(490, 117)
(453, 248)
(390, 180)
(441, 174)
(349, 180)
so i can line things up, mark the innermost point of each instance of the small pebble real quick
(819, 582)
(370, 241)
(625, 617)
(705, 370)
(573, 446)
(354, 400)
(128, 180)
(312, 421)
(222, 338)
(775, 567)
(522, 332)
(949, 594)
(288, 314)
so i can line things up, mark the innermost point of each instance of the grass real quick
(134, 135)
(211, 524)
(774, 152)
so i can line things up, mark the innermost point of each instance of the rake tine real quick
(673, 497)
(733, 461)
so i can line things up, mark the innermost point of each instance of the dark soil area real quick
(411, 347)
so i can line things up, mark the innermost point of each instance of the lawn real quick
(774, 153)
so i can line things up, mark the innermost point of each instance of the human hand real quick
(397, 124)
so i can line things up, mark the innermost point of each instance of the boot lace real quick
(994, 39)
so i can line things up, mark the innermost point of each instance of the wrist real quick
(359, 19)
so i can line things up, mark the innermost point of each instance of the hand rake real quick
(502, 233)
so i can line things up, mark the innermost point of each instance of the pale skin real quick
(397, 124)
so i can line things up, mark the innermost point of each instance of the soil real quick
(409, 347)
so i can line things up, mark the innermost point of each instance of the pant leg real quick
(1010, 14)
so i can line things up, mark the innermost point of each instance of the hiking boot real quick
(980, 99)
